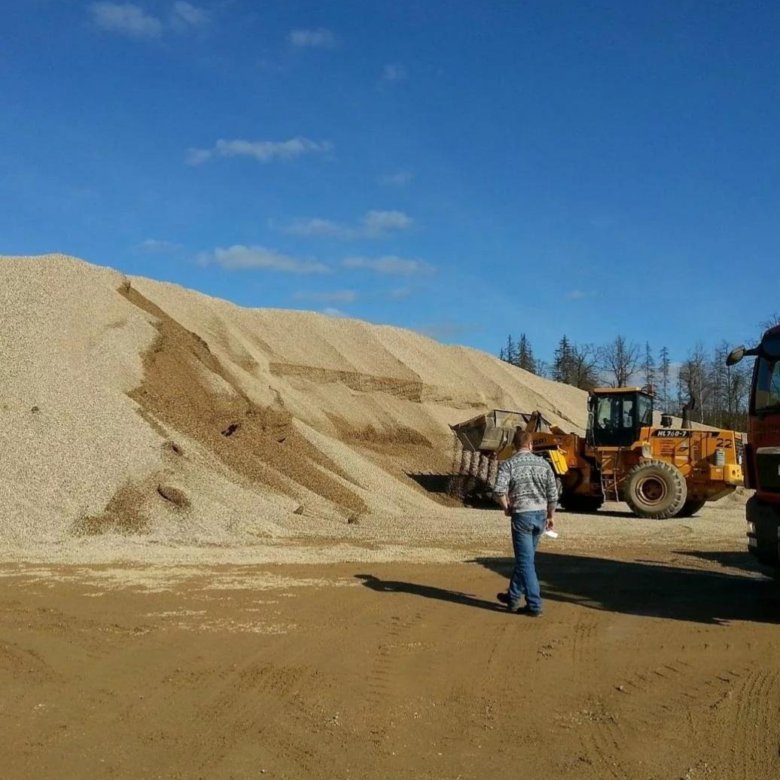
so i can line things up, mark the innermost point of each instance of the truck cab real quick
(762, 451)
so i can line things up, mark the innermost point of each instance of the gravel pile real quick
(139, 411)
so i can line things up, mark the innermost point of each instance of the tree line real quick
(719, 392)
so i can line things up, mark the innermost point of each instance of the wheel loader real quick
(659, 471)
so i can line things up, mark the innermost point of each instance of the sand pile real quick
(129, 406)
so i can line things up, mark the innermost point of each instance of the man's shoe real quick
(512, 606)
(528, 612)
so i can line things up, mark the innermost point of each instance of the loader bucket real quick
(490, 432)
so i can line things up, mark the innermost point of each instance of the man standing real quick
(527, 491)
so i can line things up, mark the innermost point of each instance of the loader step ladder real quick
(609, 486)
(609, 480)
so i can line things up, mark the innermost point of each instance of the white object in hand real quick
(551, 534)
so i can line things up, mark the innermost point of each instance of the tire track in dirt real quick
(421, 645)
(601, 740)
(599, 733)
(639, 705)
(383, 666)
(673, 700)
(243, 705)
(749, 726)
(583, 638)
(19, 661)
(258, 711)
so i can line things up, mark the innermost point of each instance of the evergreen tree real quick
(648, 366)
(525, 355)
(562, 369)
(508, 352)
(666, 365)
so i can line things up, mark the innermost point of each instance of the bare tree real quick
(718, 377)
(584, 365)
(774, 319)
(543, 368)
(619, 360)
(728, 386)
(694, 378)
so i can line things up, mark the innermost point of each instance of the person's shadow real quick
(639, 587)
(428, 591)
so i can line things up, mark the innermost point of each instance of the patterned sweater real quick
(529, 482)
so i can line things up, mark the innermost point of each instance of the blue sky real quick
(467, 169)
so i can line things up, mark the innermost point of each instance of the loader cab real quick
(617, 414)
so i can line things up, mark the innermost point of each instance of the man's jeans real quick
(527, 528)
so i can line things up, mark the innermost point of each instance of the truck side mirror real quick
(735, 355)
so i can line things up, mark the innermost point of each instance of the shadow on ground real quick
(428, 592)
(640, 588)
(727, 558)
(624, 513)
(432, 483)
(652, 590)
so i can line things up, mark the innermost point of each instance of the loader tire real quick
(656, 490)
(581, 504)
(691, 507)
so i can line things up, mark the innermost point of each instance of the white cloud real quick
(399, 293)
(186, 15)
(313, 39)
(393, 72)
(377, 223)
(373, 224)
(198, 156)
(239, 258)
(126, 19)
(318, 227)
(578, 295)
(262, 151)
(398, 179)
(331, 312)
(130, 19)
(155, 245)
(389, 265)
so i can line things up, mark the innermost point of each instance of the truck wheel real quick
(581, 504)
(691, 507)
(655, 489)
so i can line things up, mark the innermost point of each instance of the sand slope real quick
(133, 406)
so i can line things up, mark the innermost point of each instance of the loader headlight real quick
(647, 451)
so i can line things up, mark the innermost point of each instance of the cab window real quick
(767, 396)
(645, 407)
(614, 423)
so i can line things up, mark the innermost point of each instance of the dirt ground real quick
(657, 657)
